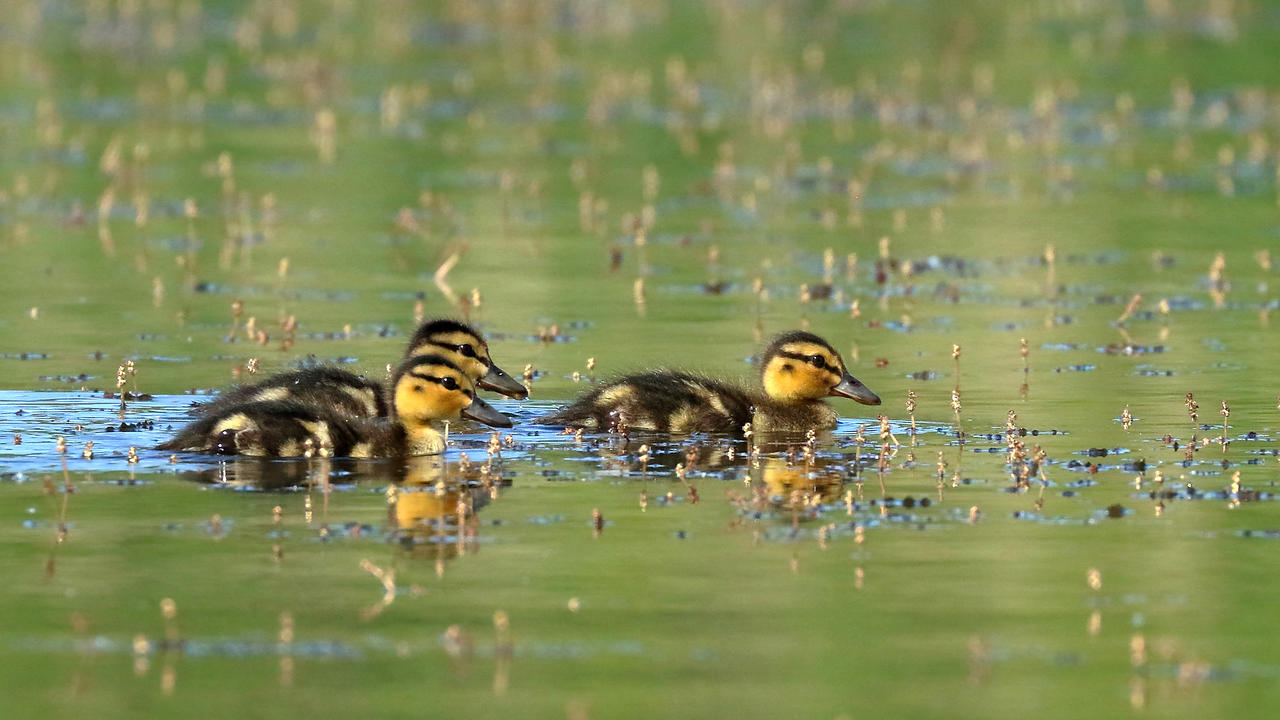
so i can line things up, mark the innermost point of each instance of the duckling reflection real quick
(247, 472)
(434, 511)
(786, 479)
(799, 486)
(655, 454)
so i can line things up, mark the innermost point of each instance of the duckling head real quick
(463, 345)
(800, 366)
(431, 387)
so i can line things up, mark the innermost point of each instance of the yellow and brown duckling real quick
(355, 396)
(798, 370)
(425, 389)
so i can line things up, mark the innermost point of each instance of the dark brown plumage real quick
(324, 388)
(272, 428)
(662, 400)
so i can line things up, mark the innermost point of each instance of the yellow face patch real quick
(468, 352)
(802, 371)
(431, 392)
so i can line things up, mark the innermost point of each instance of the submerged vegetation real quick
(1042, 232)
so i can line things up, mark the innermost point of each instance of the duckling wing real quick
(661, 400)
(330, 388)
(267, 429)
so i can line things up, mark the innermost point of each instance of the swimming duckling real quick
(798, 369)
(425, 388)
(467, 348)
(356, 396)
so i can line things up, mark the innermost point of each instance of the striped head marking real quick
(463, 345)
(456, 342)
(802, 366)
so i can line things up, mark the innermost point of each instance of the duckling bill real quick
(798, 370)
(425, 389)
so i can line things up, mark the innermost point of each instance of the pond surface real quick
(1041, 232)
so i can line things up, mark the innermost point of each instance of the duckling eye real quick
(449, 383)
(466, 350)
(817, 361)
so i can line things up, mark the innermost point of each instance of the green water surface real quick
(648, 183)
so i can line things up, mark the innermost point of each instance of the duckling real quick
(425, 388)
(798, 369)
(467, 348)
(358, 397)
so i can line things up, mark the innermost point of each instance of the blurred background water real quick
(1080, 195)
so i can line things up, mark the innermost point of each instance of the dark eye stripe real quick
(833, 367)
(464, 349)
(437, 380)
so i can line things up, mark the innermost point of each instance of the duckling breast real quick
(383, 438)
(774, 416)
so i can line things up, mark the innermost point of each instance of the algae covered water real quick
(1041, 232)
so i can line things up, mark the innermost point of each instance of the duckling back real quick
(274, 428)
(326, 388)
(661, 400)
